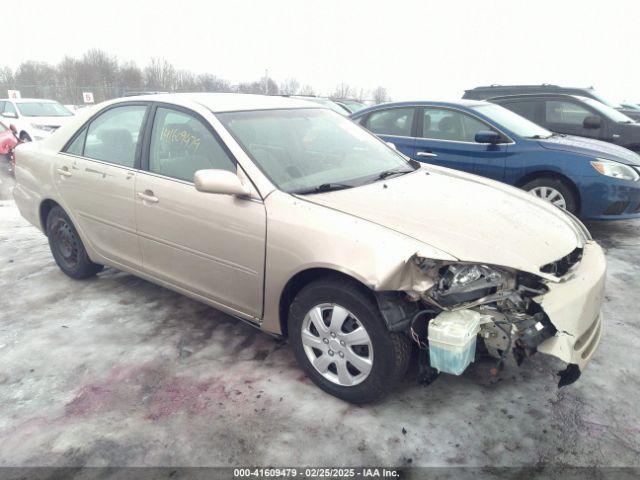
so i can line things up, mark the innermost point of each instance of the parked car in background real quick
(352, 105)
(325, 102)
(631, 106)
(8, 140)
(34, 119)
(484, 93)
(575, 115)
(292, 217)
(592, 179)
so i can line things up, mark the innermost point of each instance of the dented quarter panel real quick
(573, 306)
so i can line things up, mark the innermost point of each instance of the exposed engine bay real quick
(498, 307)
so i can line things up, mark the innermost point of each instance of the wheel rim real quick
(551, 195)
(337, 344)
(65, 242)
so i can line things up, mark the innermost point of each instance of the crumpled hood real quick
(591, 148)
(469, 217)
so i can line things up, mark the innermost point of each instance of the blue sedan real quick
(593, 179)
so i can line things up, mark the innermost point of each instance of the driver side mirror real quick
(488, 136)
(13, 128)
(592, 122)
(220, 181)
(9, 115)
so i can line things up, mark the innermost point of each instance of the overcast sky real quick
(416, 49)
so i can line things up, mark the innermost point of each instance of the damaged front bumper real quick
(553, 312)
(573, 306)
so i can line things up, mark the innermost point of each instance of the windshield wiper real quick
(325, 187)
(389, 173)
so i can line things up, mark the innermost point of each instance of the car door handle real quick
(147, 196)
(64, 171)
(426, 154)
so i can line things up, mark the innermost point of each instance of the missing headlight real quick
(461, 283)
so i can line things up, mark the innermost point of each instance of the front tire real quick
(553, 191)
(340, 340)
(67, 247)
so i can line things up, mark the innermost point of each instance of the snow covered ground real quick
(118, 371)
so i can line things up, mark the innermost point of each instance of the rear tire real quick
(380, 357)
(554, 191)
(67, 247)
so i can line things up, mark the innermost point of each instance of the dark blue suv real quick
(593, 179)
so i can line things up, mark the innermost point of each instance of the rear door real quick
(95, 177)
(208, 244)
(394, 125)
(446, 137)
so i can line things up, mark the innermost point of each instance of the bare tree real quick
(68, 80)
(160, 75)
(37, 79)
(6, 76)
(107, 77)
(307, 90)
(380, 95)
(211, 83)
(290, 86)
(130, 77)
(342, 91)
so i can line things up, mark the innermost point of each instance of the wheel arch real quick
(303, 278)
(555, 175)
(45, 207)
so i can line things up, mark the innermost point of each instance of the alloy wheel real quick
(337, 344)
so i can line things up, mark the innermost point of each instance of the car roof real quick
(229, 102)
(27, 100)
(421, 103)
(548, 86)
(535, 95)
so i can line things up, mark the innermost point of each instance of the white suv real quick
(33, 118)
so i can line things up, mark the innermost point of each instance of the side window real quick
(182, 145)
(77, 146)
(7, 107)
(560, 111)
(395, 121)
(113, 136)
(443, 124)
(524, 109)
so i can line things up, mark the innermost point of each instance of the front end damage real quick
(555, 311)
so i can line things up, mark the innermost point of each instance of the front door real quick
(567, 116)
(446, 137)
(95, 177)
(209, 244)
(394, 125)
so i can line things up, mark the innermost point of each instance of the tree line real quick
(107, 77)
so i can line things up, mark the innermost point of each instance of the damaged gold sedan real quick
(289, 216)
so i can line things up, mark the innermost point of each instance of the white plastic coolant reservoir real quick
(452, 340)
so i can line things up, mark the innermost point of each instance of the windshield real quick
(353, 105)
(607, 111)
(631, 106)
(300, 150)
(43, 109)
(512, 121)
